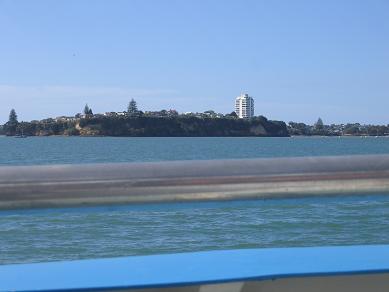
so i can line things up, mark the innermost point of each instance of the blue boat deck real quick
(241, 267)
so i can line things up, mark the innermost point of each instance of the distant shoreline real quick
(102, 136)
(142, 126)
(185, 126)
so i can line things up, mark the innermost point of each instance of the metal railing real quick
(351, 268)
(102, 184)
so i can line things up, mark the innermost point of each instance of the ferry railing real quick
(126, 183)
(354, 268)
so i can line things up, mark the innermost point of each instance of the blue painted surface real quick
(190, 268)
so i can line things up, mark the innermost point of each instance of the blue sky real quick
(298, 59)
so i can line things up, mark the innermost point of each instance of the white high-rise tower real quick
(244, 106)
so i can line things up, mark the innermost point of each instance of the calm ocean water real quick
(46, 235)
(59, 150)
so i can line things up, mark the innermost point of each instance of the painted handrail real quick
(84, 185)
(347, 268)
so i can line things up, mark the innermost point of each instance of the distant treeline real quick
(170, 123)
(143, 126)
(320, 129)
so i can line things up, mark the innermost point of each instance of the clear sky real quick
(298, 59)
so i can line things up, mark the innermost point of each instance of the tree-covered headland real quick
(135, 123)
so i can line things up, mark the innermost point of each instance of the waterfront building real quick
(244, 106)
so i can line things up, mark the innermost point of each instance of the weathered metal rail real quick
(102, 184)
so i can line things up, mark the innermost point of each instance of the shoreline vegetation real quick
(152, 127)
(169, 123)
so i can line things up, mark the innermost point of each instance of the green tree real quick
(299, 129)
(232, 115)
(13, 117)
(319, 125)
(352, 129)
(88, 111)
(12, 124)
(132, 108)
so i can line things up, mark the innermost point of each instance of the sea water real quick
(76, 233)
